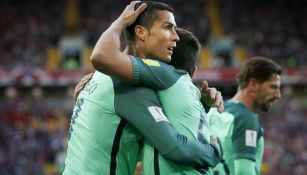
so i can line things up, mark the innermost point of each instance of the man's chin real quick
(167, 59)
(266, 107)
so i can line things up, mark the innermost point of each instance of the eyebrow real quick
(169, 23)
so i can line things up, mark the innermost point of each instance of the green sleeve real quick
(245, 133)
(244, 167)
(140, 106)
(153, 74)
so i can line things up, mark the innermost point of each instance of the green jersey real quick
(97, 137)
(180, 99)
(106, 127)
(240, 135)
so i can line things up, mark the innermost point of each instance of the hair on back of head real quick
(186, 52)
(259, 68)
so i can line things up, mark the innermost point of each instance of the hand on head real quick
(129, 15)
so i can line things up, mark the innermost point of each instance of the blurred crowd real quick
(27, 30)
(285, 135)
(275, 29)
(33, 133)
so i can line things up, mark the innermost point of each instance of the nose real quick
(277, 94)
(175, 36)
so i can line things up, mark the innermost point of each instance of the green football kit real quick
(107, 127)
(240, 136)
(180, 99)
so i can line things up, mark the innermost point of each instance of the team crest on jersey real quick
(151, 62)
(251, 138)
(157, 114)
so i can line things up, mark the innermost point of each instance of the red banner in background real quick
(228, 75)
(37, 76)
(216, 75)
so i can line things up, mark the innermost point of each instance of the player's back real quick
(100, 142)
(183, 99)
(180, 99)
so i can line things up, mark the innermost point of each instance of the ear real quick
(193, 71)
(253, 84)
(140, 32)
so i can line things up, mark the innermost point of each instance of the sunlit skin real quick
(260, 96)
(160, 40)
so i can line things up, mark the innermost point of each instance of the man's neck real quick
(245, 97)
(136, 50)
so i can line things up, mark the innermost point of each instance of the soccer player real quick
(177, 93)
(238, 128)
(181, 101)
(100, 141)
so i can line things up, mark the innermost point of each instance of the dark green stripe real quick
(115, 146)
(156, 162)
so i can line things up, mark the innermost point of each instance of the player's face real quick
(268, 92)
(161, 38)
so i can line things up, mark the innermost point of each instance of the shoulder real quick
(239, 110)
(243, 117)
(154, 73)
(153, 64)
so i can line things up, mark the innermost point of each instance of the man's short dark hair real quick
(147, 17)
(259, 68)
(186, 52)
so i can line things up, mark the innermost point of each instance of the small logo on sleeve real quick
(157, 113)
(151, 62)
(251, 138)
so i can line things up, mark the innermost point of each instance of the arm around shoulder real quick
(195, 153)
(106, 56)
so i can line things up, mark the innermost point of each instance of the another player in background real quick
(100, 142)
(238, 128)
(177, 93)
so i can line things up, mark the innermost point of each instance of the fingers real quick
(218, 98)
(140, 9)
(212, 92)
(131, 5)
(129, 15)
(212, 97)
(204, 86)
(87, 77)
(213, 140)
(220, 107)
(219, 102)
(79, 87)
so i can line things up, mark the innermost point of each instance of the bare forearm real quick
(107, 46)
(106, 56)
